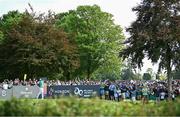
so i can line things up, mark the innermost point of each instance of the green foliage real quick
(162, 76)
(176, 74)
(128, 72)
(86, 107)
(35, 47)
(156, 35)
(10, 19)
(150, 71)
(146, 76)
(138, 76)
(110, 69)
(96, 35)
(1, 37)
(7, 21)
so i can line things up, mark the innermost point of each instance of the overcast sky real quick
(121, 10)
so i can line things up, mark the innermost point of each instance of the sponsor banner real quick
(6, 93)
(26, 91)
(77, 90)
(62, 90)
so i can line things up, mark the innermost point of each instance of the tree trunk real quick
(169, 82)
(88, 74)
(169, 73)
(88, 67)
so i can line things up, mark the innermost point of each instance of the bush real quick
(89, 107)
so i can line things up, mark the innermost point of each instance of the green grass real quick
(89, 107)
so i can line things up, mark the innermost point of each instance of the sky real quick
(120, 9)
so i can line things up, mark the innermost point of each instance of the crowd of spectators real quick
(73, 82)
(16, 82)
(137, 90)
(31, 82)
(113, 90)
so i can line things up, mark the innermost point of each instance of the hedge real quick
(89, 107)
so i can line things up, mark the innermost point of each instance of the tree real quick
(127, 72)
(7, 21)
(176, 74)
(138, 76)
(34, 46)
(110, 69)
(1, 37)
(146, 76)
(155, 34)
(150, 71)
(95, 34)
(10, 19)
(162, 76)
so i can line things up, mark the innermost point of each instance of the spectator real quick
(5, 86)
(145, 94)
(112, 88)
(133, 93)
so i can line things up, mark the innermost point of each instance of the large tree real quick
(156, 34)
(9, 19)
(34, 46)
(146, 76)
(110, 69)
(95, 33)
(176, 74)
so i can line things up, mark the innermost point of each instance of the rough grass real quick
(89, 107)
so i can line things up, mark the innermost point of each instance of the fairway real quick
(90, 107)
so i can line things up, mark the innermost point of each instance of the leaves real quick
(34, 46)
(155, 30)
(95, 34)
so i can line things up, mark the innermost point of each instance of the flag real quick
(25, 75)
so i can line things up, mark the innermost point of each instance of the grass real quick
(89, 107)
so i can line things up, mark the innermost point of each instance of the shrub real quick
(90, 107)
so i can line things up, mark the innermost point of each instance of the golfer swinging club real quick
(41, 88)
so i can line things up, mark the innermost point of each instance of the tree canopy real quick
(96, 36)
(155, 34)
(146, 76)
(34, 46)
(78, 43)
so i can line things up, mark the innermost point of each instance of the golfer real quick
(41, 88)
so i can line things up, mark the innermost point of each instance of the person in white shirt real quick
(5, 86)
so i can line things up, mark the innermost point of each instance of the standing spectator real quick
(115, 94)
(119, 93)
(106, 89)
(102, 90)
(139, 92)
(123, 91)
(152, 94)
(162, 93)
(145, 94)
(112, 88)
(133, 93)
